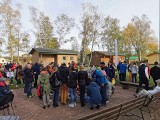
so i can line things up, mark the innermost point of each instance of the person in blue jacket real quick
(102, 81)
(123, 69)
(93, 95)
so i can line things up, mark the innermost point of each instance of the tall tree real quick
(63, 26)
(110, 32)
(9, 18)
(91, 23)
(43, 29)
(128, 35)
(143, 35)
(75, 44)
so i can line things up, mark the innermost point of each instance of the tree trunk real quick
(91, 54)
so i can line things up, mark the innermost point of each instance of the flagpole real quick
(116, 52)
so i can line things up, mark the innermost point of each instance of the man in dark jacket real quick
(28, 77)
(93, 95)
(72, 84)
(36, 71)
(82, 82)
(143, 76)
(64, 72)
(155, 73)
(111, 71)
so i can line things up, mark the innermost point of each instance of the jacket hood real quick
(2, 84)
(93, 84)
(44, 73)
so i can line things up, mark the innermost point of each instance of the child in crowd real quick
(10, 75)
(6, 95)
(72, 84)
(43, 80)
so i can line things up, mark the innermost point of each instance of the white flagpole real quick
(116, 52)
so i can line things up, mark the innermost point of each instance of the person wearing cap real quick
(155, 73)
(6, 94)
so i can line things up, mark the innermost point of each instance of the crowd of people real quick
(94, 86)
(63, 81)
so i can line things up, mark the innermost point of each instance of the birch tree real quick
(9, 19)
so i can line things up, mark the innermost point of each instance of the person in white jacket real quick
(10, 75)
(149, 93)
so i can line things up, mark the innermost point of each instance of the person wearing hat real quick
(6, 94)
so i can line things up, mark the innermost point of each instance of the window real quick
(64, 58)
(71, 58)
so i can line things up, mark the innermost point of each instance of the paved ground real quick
(31, 109)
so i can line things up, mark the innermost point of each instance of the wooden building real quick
(102, 56)
(46, 56)
(154, 57)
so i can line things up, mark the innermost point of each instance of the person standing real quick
(55, 81)
(19, 74)
(28, 77)
(123, 68)
(64, 72)
(43, 80)
(36, 71)
(155, 73)
(10, 75)
(111, 71)
(118, 68)
(102, 81)
(104, 67)
(134, 70)
(129, 72)
(143, 77)
(72, 84)
(82, 82)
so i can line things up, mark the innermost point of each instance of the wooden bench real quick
(126, 84)
(115, 112)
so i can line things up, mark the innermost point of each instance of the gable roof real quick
(107, 53)
(153, 53)
(54, 51)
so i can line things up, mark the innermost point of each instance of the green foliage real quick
(53, 44)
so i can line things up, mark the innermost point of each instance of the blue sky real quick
(124, 10)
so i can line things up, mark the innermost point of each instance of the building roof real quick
(153, 53)
(54, 51)
(108, 53)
